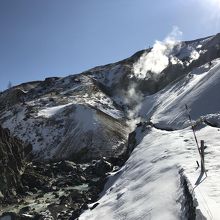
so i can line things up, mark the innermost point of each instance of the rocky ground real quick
(31, 189)
(56, 190)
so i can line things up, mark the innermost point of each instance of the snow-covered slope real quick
(161, 179)
(199, 89)
(151, 184)
(65, 118)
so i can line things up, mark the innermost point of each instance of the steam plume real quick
(150, 63)
(133, 99)
(158, 58)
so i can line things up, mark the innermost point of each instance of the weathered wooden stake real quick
(194, 132)
(200, 149)
(203, 157)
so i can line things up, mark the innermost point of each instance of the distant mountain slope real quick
(90, 115)
(65, 117)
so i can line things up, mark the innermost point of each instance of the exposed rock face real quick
(12, 97)
(12, 156)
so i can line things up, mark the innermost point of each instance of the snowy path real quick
(149, 186)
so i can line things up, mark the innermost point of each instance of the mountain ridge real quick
(129, 114)
(100, 89)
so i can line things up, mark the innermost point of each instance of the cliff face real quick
(12, 157)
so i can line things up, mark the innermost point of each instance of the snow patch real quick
(51, 111)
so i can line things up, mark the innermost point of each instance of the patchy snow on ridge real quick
(199, 90)
(60, 116)
(108, 76)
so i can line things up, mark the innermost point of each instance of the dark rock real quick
(95, 205)
(11, 215)
(77, 196)
(102, 167)
(24, 209)
(67, 166)
(14, 216)
(13, 153)
(12, 97)
(34, 190)
(33, 180)
(65, 199)
(56, 195)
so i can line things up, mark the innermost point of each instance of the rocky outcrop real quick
(11, 97)
(13, 153)
(57, 190)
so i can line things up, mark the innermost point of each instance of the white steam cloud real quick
(149, 63)
(158, 58)
(133, 99)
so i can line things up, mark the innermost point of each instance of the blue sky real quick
(43, 38)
